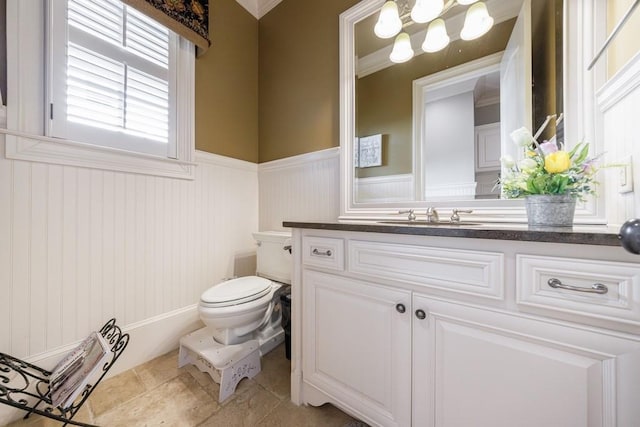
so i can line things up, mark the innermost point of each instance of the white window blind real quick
(112, 77)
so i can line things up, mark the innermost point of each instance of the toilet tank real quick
(272, 260)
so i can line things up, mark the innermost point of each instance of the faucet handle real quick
(432, 215)
(412, 215)
(455, 217)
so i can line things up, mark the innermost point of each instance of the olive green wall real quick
(385, 98)
(227, 84)
(298, 83)
(627, 43)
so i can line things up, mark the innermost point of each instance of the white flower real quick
(522, 137)
(527, 164)
(507, 161)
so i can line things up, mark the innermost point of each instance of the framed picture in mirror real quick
(370, 151)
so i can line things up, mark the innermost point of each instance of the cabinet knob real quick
(400, 308)
(420, 314)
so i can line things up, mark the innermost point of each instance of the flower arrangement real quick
(547, 168)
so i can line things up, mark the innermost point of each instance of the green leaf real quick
(581, 154)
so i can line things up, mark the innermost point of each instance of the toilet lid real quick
(236, 291)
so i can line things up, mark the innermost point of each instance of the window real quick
(113, 73)
(109, 88)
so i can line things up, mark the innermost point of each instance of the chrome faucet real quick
(412, 215)
(455, 217)
(432, 215)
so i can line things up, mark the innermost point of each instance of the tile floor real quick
(157, 393)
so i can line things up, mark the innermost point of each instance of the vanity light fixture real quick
(426, 10)
(437, 37)
(477, 22)
(390, 23)
(402, 50)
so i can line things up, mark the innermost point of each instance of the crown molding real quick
(258, 8)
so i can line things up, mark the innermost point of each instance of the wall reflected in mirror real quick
(450, 149)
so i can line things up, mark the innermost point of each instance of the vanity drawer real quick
(325, 252)
(474, 273)
(604, 290)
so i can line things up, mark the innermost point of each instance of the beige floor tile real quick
(35, 421)
(204, 380)
(84, 415)
(115, 391)
(178, 402)
(159, 370)
(246, 407)
(158, 393)
(287, 414)
(275, 374)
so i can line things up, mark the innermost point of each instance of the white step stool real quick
(226, 364)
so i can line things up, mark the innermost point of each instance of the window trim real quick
(26, 120)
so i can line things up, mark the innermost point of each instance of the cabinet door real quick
(478, 367)
(356, 340)
(488, 147)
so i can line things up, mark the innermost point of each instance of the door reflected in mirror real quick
(444, 117)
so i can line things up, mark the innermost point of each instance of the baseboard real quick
(157, 336)
(149, 339)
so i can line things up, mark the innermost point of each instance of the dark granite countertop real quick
(578, 234)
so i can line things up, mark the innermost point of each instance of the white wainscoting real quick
(79, 246)
(619, 101)
(458, 191)
(300, 188)
(384, 189)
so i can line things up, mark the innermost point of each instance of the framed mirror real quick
(442, 119)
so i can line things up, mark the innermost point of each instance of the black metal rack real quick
(26, 386)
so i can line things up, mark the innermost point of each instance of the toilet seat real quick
(236, 291)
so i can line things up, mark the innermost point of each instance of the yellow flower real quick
(557, 162)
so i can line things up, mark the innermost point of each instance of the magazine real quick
(75, 371)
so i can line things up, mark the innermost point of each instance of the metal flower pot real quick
(550, 210)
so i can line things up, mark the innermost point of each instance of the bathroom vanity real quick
(486, 325)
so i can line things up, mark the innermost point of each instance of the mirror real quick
(430, 131)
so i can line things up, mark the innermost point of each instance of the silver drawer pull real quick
(321, 253)
(596, 288)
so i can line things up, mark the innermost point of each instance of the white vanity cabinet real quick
(479, 367)
(357, 341)
(435, 331)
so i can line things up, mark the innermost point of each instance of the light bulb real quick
(426, 10)
(437, 37)
(389, 23)
(477, 22)
(466, 2)
(402, 51)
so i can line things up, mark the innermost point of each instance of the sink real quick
(427, 224)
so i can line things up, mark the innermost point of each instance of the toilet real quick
(242, 317)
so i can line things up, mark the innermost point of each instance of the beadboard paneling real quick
(619, 100)
(385, 189)
(300, 188)
(79, 246)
